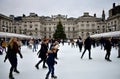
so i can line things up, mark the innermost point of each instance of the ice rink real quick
(70, 65)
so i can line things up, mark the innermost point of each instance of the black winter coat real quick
(51, 59)
(108, 45)
(87, 43)
(42, 52)
(12, 52)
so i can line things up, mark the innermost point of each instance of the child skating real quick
(51, 62)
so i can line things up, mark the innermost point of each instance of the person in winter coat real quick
(87, 45)
(119, 48)
(42, 53)
(56, 45)
(4, 44)
(1, 50)
(51, 62)
(79, 43)
(108, 46)
(11, 55)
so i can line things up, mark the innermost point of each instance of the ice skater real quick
(42, 53)
(56, 45)
(79, 43)
(34, 45)
(108, 46)
(1, 50)
(87, 45)
(119, 48)
(11, 55)
(51, 62)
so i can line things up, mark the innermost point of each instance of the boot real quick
(11, 76)
(44, 66)
(53, 76)
(90, 58)
(16, 71)
(109, 60)
(46, 77)
(36, 66)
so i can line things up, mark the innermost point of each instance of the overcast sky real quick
(72, 8)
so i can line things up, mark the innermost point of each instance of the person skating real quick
(108, 46)
(79, 43)
(87, 45)
(56, 45)
(51, 62)
(42, 53)
(11, 55)
(119, 48)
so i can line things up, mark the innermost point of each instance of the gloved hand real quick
(4, 60)
(21, 56)
(55, 62)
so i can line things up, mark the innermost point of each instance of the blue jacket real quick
(51, 59)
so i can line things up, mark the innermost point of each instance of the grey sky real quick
(72, 8)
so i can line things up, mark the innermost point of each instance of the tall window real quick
(87, 25)
(64, 28)
(36, 24)
(73, 28)
(93, 25)
(111, 23)
(49, 28)
(30, 26)
(44, 28)
(25, 25)
(98, 26)
(31, 33)
(82, 25)
(68, 28)
(36, 29)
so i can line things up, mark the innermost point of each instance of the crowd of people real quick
(49, 49)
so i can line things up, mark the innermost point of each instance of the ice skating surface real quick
(70, 65)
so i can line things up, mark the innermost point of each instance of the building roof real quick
(86, 17)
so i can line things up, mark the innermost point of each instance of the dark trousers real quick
(1, 53)
(107, 56)
(51, 70)
(80, 47)
(85, 51)
(13, 62)
(118, 51)
(44, 60)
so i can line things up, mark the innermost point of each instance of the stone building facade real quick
(45, 26)
(113, 21)
(6, 23)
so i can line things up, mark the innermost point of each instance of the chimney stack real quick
(95, 15)
(113, 5)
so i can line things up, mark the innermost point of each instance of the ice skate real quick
(11, 76)
(16, 71)
(54, 77)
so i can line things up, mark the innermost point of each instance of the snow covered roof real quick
(4, 34)
(108, 34)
